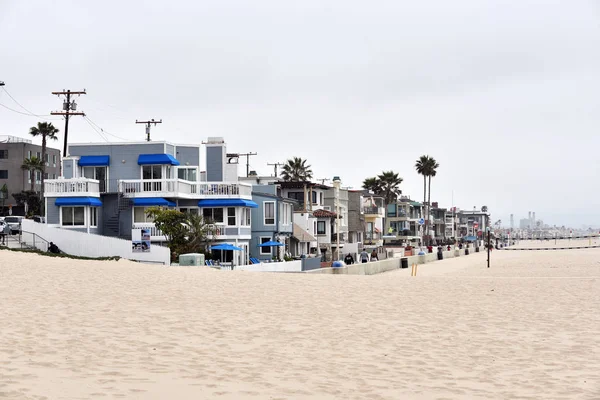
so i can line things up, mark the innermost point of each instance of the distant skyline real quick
(504, 94)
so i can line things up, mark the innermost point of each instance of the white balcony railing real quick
(71, 187)
(183, 188)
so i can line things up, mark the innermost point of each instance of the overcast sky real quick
(504, 94)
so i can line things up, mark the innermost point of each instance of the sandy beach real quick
(527, 328)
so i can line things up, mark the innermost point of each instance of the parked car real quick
(37, 218)
(15, 224)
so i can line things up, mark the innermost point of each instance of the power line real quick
(94, 128)
(275, 165)
(68, 107)
(148, 123)
(22, 106)
(104, 131)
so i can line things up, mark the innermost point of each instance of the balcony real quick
(220, 231)
(78, 187)
(180, 188)
(377, 212)
(439, 221)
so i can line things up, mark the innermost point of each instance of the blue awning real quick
(94, 161)
(152, 201)
(78, 201)
(227, 203)
(152, 159)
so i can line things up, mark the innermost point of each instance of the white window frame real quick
(93, 216)
(265, 213)
(234, 216)
(188, 168)
(162, 171)
(325, 230)
(54, 160)
(85, 217)
(223, 222)
(246, 217)
(265, 250)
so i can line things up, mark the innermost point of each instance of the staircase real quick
(112, 226)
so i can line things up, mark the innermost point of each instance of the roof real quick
(302, 235)
(324, 214)
(274, 196)
(300, 185)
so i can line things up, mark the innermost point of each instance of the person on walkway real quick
(374, 256)
(364, 256)
(3, 225)
(349, 259)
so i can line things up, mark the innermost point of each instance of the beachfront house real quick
(472, 223)
(366, 213)
(404, 221)
(272, 221)
(330, 205)
(438, 221)
(106, 189)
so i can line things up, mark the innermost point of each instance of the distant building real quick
(13, 151)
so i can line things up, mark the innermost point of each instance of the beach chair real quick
(209, 263)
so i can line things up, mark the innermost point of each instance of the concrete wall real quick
(89, 245)
(390, 264)
(289, 266)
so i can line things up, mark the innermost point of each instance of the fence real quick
(90, 245)
(286, 266)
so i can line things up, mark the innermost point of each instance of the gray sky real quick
(504, 94)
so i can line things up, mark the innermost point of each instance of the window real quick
(193, 211)
(187, 174)
(29, 154)
(391, 210)
(93, 216)
(314, 197)
(269, 210)
(213, 215)
(38, 176)
(54, 160)
(98, 173)
(38, 155)
(152, 172)
(46, 175)
(53, 176)
(267, 249)
(321, 198)
(247, 220)
(139, 215)
(4, 154)
(231, 216)
(320, 227)
(3, 174)
(73, 216)
(47, 158)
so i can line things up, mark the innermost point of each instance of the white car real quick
(15, 223)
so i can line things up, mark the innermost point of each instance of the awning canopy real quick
(270, 243)
(227, 203)
(94, 161)
(301, 235)
(225, 246)
(152, 201)
(157, 159)
(78, 201)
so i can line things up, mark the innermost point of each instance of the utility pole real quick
(148, 124)
(1, 83)
(247, 155)
(323, 180)
(69, 108)
(275, 165)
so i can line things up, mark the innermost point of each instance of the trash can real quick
(337, 264)
(466, 251)
(477, 249)
(404, 262)
(440, 255)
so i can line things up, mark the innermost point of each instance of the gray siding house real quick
(272, 220)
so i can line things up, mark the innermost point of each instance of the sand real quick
(527, 328)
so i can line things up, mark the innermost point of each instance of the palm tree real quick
(431, 172)
(372, 184)
(47, 131)
(421, 167)
(389, 182)
(296, 170)
(32, 165)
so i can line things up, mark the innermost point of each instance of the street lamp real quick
(487, 230)
(336, 186)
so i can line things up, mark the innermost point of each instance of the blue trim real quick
(78, 201)
(94, 161)
(152, 201)
(157, 159)
(227, 203)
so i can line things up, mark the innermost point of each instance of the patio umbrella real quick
(469, 238)
(225, 246)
